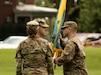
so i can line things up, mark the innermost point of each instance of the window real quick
(8, 1)
(9, 19)
(23, 19)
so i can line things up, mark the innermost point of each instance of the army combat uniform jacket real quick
(34, 57)
(73, 58)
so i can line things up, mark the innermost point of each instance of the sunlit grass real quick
(7, 62)
(93, 62)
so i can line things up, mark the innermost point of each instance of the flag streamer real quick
(57, 28)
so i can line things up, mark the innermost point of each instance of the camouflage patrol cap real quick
(42, 22)
(69, 24)
(32, 23)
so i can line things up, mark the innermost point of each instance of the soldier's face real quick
(65, 32)
(42, 31)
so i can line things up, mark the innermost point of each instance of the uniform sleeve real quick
(49, 61)
(18, 61)
(67, 54)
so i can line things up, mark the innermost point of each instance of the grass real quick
(7, 62)
(93, 62)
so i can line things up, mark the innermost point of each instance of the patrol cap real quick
(69, 24)
(42, 22)
(32, 23)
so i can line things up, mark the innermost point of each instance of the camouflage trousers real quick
(75, 72)
(34, 71)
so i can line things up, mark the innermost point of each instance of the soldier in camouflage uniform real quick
(73, 55)
(34, 56)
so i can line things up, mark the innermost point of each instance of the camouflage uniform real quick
(73, 58)
(34, 57)
(41, 22)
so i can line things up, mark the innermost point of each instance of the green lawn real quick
(93, 62)
(7, 62)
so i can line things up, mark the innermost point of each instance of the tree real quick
(85, 12)
(89, 18)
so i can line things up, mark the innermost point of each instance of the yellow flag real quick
(57, 28)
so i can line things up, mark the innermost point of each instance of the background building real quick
(15, 13)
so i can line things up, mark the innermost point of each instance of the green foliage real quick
(93, 61)
(89, 19)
